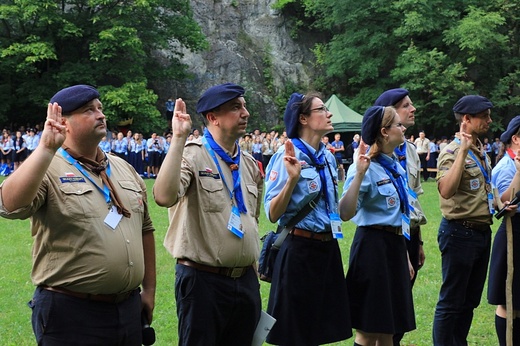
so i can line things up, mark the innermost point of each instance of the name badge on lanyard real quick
(335, 224)
(234, 223)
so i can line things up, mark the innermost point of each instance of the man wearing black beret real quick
(93, 237)
(466, 200)
(213, 191)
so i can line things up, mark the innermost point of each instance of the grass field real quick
(16, 288)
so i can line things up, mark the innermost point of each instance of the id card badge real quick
(405, 221)
(412, 199)
(234, 223)
(113, 218)
(335, 224)
(490, 203)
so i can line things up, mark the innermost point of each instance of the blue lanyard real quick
(477, 161)
(212, 153)
(105, 191)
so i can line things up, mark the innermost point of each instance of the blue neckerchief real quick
(477, 161)
(390, 166)
(105, 191)
(400, 151)
(213, 146)
(319, 163)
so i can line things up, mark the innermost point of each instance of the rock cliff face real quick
(250, 44)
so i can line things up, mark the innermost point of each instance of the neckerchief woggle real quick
(401, 155)
(319, 163)
(213, 147)
(485, 173)
(398, 181)
(105, 191)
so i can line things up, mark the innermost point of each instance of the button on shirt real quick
(308, 187)
(378, 201)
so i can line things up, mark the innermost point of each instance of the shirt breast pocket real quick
(133, 196)
(311, 179)
(388, 192)
(210, 195)
(252, 198)
(78, 200)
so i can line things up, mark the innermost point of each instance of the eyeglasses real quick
(323, 109)
(396, 125)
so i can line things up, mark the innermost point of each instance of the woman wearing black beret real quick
(376, 198)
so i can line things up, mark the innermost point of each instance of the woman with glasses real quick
(308, 294)
(376, 199)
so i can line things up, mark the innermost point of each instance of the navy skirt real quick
(378, 283)
(498, 266)
(308, 294)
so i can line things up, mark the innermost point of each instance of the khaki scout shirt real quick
(198, 221)
(413, 168)
(73, 247)
(470, 201)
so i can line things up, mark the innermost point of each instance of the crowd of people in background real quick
(146, 154)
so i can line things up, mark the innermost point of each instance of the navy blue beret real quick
(512, 129)
(292, 115)
(218, 95)
(472, 104)
(391, 97)
(73, 97)
(371, 124)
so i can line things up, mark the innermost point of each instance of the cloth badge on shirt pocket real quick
(313, 186)
(474, 184)
(209, 174)
(391, 202)
(72, 180)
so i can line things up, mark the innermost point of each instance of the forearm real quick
(20, 189)
(449, 182)
(149, 280)
(166, 185)
(348, 203)
(279, 203)
(514, 187)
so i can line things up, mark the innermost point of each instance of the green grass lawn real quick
(16, 288)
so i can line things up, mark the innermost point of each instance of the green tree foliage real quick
(439, 50)
(122, 47)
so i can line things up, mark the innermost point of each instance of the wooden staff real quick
(509, 282)
(509, 279)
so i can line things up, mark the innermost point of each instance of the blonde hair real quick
(388, 118)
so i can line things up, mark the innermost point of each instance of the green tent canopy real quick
(344, 119)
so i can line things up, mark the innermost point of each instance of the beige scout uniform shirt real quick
(470, 201)
(413, 168)
(198, 221)
(73, 247)
(423, 145)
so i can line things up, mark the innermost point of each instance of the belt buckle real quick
(236, 273)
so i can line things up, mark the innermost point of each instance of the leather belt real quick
(392, 229)
(104, 298)
(477, 226)
(322, 236)
(233, 273)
